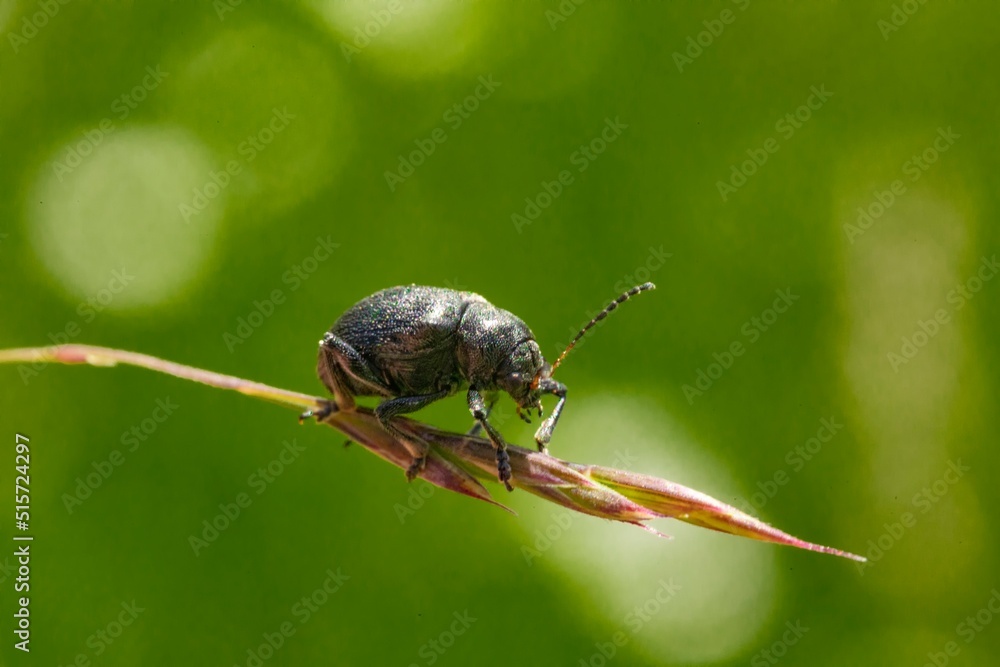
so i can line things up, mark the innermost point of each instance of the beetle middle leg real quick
(479, 409)
(388, 409)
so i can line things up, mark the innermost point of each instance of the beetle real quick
(414, 345)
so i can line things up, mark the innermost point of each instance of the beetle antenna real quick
(604, 313)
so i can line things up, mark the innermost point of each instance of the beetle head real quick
(525, 374)
(521, 374)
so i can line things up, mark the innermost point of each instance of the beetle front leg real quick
(490, 399)
(544, 433)
(480, 412)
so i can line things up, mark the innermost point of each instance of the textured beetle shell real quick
(421, 340)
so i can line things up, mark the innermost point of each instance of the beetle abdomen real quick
(408, 334)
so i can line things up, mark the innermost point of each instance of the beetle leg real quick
(329, 407)
(544, 433)
(388, 409)
(477, 427)
(480, 411)
(523, 414)
(342, 369)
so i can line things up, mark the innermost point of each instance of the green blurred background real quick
(215, 183)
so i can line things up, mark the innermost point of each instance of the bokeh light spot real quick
(725, 584)
(105, 216)
(272, 107)
(412, 38)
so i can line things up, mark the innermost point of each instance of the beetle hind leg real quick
(346, 373)
(320, 413)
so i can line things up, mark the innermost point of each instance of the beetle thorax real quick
(496, 348)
